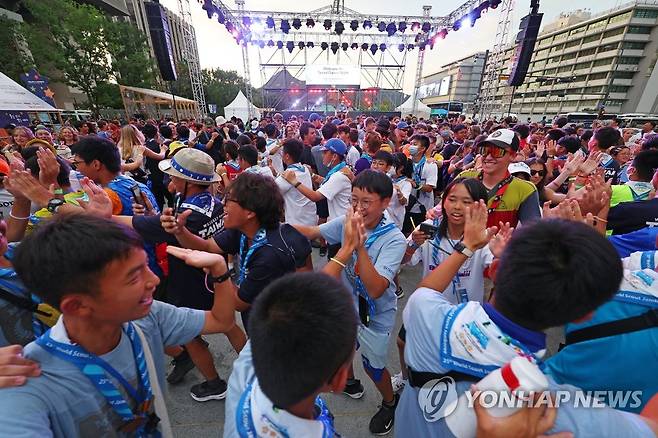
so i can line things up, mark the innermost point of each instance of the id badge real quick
(364, 314)
(462, 295)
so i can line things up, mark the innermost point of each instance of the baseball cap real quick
(313, 117)
(254, 125)
(208, 122)
(336, 146)
(337, 122)
(402, 125)
(519, 167)
(504, 138)
(191, 165)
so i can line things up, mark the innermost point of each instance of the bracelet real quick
(299, 183)
(11, 215)
(334, 259)
(222, 278)
(550, 156)
(598, 219)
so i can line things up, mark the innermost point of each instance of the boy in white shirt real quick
(248, 161)
(298, 208)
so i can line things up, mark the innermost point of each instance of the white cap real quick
(518, 167)
(220, 120)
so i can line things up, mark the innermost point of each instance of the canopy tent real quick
(407, 108)
(155, 104)
(240, 108)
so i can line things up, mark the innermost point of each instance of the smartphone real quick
(138, 195)
(429, 229)
(178, 201)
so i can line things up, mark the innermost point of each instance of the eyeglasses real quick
(365, 203)
(494, 151)
(537, 172)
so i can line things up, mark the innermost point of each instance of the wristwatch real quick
(460, 247)
(54, 204)
(221, 279)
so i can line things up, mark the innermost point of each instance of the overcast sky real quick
(218, 49)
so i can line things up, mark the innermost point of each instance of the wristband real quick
(335, 260)
(212, 280)
(299, 183)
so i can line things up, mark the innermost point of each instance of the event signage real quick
(333, 75)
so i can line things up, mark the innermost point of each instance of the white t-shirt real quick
(352, 156)
(263, 170)
(277, 158)
(6, 203)
(470, 275)
(396, 210)
(428, 176)
(338, 191)
(298, 208)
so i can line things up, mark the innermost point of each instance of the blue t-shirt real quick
(63, 402)
(423, 319)
(641, 240)
(15, 322)
(386, 255)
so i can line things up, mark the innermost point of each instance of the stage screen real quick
(333, 75)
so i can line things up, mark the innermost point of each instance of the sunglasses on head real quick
(494, 151)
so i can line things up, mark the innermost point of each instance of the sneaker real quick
(399, 292)
(215, 390)
(397, 381)
(353, 388)
(182, 365)
(382, 422)
(323, 251)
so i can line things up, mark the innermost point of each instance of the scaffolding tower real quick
(419, 67)
(191, 57)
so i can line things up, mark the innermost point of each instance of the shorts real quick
(322, 209)
(373, 347)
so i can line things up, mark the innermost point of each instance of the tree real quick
(221, 87)
(182, 86)
(14, 62)
(72, 38)
(131, 61)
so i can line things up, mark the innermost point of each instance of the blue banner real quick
(38, 85)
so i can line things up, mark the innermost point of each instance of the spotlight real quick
(221, 18)
(401, 47)
(402, 26)
(475, 15)
(442, 33)
(208, 7)
(324, 46)
(296, 23)
(285, 26)
(381, 26)
(261, 44)
(426, 27)
(415, 26)
(354, 25)
(344, 46)
(391, 29)
(373, 48)
(310, 22)
(246, 21)
(355, 46)
(339, 27)
(327, 24)
(309, 45)
(421, 46)
(367, 24)
(270, 22)
(279, 44)
(410, 47)
(457, 25)
(485, 5)
(229, 26)
(301, 45)
(270, 43)
(364, 46)
(334, 47)
(382, 47)
(495, 3)
(290, 46)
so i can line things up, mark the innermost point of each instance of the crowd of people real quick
(123, 244)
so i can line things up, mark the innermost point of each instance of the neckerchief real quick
(418, 169)
(333, 170)
(256, 416)
(495, 195)
(367, 157)
(96, 370)
(296, 166)
(252, 169)
(360, 288)
(640, 190)
(260, 239)
(640, 282)
(472, 343)
(398, 179)
(233, 165)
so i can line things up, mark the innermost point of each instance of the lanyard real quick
(260, 239)
(418, 169)
(359, 287)
(96, 368)
(497, 192)
(457, 290)
(245, 422)
(333, 170)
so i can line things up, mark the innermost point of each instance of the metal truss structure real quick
(289, 41)
(191, 56)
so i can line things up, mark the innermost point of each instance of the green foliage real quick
(182, 86)
(109, 95)
(14, 60)
(131, 61)
(221, 87)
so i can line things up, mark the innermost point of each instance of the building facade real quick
(455, 86)
(585, 62)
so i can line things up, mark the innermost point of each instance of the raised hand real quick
(25, 185)
(591, 163)
(290, 176)
(98, 201)
(574, 162)
(551, 148)
(199, 259)
(476, 233)
(498, 243)
(48, 167)
(541, 147)
(172, 224)
(14, 368)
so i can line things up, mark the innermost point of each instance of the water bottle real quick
(520, 376)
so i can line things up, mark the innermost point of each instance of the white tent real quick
(407, 108)
(240, 108)
(13, 97)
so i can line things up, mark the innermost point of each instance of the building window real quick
(602, 62)
(597, 76)
(646, 13)
(608, 47)
(615, 32)
(578, 30)
(633, 45)
(573, 43)
(582, 53)
(620, 17)
(643, 30)
(597, 25)
(582, 65)
(618, 89)
(623, 74)
(632, 60)
(591, 39)
(565, 68)
(550, 71)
